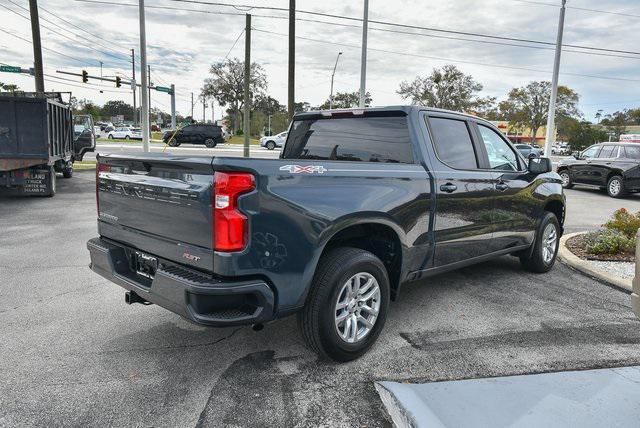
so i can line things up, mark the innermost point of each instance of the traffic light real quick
(117, 82)
(85, 76)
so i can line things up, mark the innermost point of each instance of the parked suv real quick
(198, 133)
(614, 167)
(359, 203)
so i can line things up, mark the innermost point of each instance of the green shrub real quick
(609, 241)
(624, 222)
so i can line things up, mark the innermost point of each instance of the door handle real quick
(502, 186)
(449, 187)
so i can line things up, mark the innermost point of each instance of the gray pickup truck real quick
(359, 203)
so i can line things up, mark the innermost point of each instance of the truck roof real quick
(397, 108)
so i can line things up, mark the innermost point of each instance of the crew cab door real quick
(581, 170)
(601, 165)
(515, 208)
(464, 202)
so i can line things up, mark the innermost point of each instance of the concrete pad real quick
(589, 398)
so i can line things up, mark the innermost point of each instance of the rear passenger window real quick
(452, 142)
(366, 139)
(607, 152)
(631, 152)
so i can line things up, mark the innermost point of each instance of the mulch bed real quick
(575, 244)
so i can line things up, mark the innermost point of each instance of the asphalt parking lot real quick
(73, 353)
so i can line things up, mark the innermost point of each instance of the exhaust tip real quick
(257, 327)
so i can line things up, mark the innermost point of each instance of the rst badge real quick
(303, 169)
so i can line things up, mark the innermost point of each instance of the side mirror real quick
(540, 165)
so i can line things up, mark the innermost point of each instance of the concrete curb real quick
(568, 258)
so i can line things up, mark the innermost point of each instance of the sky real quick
(183, 42)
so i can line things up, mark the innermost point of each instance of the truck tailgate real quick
(160, 204)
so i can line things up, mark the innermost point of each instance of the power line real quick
(82, 29)
(609, 12)
(536, 42)
(63, 35)
(84, 62)
(234, 45)
(464, 39)
(415, 27)
(449, 59)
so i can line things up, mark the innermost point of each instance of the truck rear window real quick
(365, 139)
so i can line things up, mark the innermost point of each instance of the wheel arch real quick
(379, 236)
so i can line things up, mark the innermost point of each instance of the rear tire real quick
(615, 187)
(126, 137)
(110, 137)
(271, 145)
(210, 143)
(545, 247)
(67, 171)
(566, 179)
(343, 279)
(53, 187)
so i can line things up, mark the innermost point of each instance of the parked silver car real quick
(274, 141)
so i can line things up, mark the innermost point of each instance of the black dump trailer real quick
(39, 137)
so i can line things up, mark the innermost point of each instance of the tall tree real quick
(117, 107)
(227, 86)
(616, 123)
(582, 134)
(529, 105)
(347, 100)
(446, 87)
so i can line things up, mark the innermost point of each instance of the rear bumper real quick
(191, 294)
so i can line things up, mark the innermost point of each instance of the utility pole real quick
(149, 80)
(38, 71)
(191, 106)
(291, 98)
(363, 60)
(134, 86)
(173, 106)
(204, 110)
(213, 112)
(332, 76)
(551, 120)
(144, 120)
(247, 77)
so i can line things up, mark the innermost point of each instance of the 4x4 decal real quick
(303, 169)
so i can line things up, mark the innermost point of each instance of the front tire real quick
(545, 247)
(110, 137)
(210, 143)
(67, 171)
(271, 145)
(615, 187)
(347, 306)
(126, 137)
(566, 179)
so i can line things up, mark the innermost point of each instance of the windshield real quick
(82, 124)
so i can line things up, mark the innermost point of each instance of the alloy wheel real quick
(357, 307)
(614, 187)
(549, 243)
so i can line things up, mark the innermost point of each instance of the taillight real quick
(100, 167)
(230, 227)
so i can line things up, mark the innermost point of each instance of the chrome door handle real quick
(502, 186)
(449, 187)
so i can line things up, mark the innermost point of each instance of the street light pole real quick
(363, 60)
(551, 120)
(332, 76)
(144, 119)
(134, 86)
(173, 106)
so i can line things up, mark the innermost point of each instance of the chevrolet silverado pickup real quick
(359, 203)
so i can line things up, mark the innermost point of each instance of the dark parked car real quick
(614, 167)
(198, 133)
(528, 151)
(358, 204)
